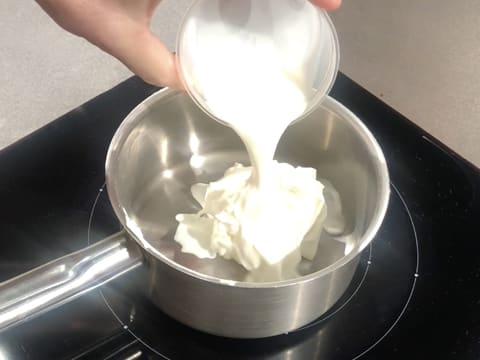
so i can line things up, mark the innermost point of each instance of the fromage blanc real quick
(269, 215)
(261, 229)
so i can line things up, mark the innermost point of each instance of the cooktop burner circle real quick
(369, 310)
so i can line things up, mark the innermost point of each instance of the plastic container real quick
(231, 44)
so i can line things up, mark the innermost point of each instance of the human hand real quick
(327, 4)
(122, 29)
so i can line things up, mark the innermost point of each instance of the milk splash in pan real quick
(267, 216)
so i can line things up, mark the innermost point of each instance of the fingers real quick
(150, 59)
(146, 56)
(121, 28)
(327, 4)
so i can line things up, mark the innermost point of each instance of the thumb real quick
(145, 55)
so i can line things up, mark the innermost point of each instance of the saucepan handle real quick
(66, 278)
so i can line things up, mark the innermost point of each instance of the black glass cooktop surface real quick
(415, 294)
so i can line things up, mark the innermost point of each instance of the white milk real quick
(258, 216)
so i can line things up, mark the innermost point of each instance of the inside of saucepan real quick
(167, 144)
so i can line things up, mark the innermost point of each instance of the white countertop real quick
(420, 57)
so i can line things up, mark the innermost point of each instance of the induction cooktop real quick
(415, 295)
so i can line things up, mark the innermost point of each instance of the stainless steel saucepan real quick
(165, 145)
